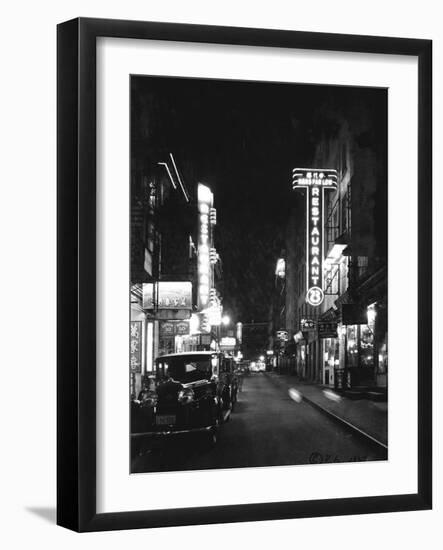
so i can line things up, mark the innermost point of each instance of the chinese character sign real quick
(173, 328)
(136, 347)
(315, 181)
(168, 295)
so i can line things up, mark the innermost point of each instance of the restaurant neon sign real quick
(205, 200)
(315, 181)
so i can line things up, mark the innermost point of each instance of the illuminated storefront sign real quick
(205, 200)
(168, 295)
(307, 325)
(227, 343)
(166, 329)
(173, 328)
(136, 346)
(315, 181)
(182, 328)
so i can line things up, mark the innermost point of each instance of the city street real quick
(267, 428)
(258, 245)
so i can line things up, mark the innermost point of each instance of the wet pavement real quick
(267, 428)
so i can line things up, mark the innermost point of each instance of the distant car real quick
(188, 393)
(253, 367)
(261, 366)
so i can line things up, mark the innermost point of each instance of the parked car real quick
(188, 392)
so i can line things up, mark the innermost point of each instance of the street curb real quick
(343, 422)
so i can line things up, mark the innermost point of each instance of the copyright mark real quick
(315, 458)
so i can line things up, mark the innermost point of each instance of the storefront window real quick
(366, 346)
(383, 358)
(352, 345)
(330, 358)
(331, 352)
(360, 346)
(302, 361)
(166, 345)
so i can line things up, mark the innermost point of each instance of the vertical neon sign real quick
(205, 200)
(315, 181)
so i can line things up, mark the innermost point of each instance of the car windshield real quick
(188, 368)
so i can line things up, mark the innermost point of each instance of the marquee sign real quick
(168, 295)
(315, 181)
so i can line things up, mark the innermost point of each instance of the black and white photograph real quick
(258, 329)
(226, 215)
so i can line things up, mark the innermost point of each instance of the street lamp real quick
(226, 320)
(280, 269)
(372, 314)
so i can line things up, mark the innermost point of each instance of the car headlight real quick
(185, 396)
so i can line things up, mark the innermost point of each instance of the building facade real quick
(342, 342)
(175, 305)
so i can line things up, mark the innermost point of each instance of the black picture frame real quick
(76, 293)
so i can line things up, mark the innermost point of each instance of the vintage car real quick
(188, 392)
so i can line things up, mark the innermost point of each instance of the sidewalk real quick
(367, 416)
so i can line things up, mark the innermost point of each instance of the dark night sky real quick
(242, 139)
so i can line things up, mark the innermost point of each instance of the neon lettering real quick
(314, 180)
